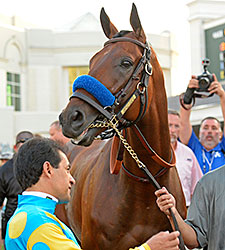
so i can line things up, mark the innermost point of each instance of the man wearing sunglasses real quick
(9, 187)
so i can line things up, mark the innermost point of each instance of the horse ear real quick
(136, 24)
(109, 29)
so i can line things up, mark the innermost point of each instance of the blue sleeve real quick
(194, 143)
(222, 143)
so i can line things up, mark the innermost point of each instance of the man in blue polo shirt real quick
(210, 147)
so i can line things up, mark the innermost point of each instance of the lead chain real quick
(113, 124)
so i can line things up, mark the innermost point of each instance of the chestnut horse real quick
(117, 211)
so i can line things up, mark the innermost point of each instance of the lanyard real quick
(205, 159)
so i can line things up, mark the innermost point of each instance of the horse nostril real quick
(77, 116)
(74, 116)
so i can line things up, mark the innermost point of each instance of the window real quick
(74, 72)
(13, 91)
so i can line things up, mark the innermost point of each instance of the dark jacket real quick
(9, 188)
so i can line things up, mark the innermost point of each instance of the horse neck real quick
(154, 127)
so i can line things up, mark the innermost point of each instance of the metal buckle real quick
(147, 67)
(141, 88)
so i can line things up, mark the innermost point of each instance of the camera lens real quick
(204, 83)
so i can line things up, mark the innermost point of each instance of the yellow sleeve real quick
(51, 235)
(144, 246)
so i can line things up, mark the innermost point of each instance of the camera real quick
(205, 79)
(204, 82)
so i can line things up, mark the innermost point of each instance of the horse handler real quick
(204, 226)
(43, 171)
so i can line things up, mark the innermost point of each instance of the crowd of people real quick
(38, 177)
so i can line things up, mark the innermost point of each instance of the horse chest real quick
(122, 226)
(120, 237)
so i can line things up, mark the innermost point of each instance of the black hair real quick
(28, 162)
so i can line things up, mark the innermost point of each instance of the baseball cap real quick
(23, 136)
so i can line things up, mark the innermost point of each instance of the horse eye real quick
(126, 63)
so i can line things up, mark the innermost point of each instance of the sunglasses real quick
(22, 140)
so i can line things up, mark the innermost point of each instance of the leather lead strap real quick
(157, 186)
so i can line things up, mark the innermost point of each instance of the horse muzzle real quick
(76, 125)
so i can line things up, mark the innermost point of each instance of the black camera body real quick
(205, 79)
(204, 82)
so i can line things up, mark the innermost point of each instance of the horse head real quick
(122, 74)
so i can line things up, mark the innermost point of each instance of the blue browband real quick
(95, 88)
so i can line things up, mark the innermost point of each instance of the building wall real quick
(201, 12)
(42, 58)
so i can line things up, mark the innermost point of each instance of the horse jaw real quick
(83, 138)
(86, 138)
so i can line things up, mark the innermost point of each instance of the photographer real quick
(209, 148)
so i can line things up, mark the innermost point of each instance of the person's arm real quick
(185, 124)
(161, 241)
(165, 201)
(49, 236)
(217, 88)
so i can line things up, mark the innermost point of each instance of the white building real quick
(37, 67)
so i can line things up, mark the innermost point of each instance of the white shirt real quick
(40, 194)
(188, 169)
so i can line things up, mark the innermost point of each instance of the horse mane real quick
(121, 33)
